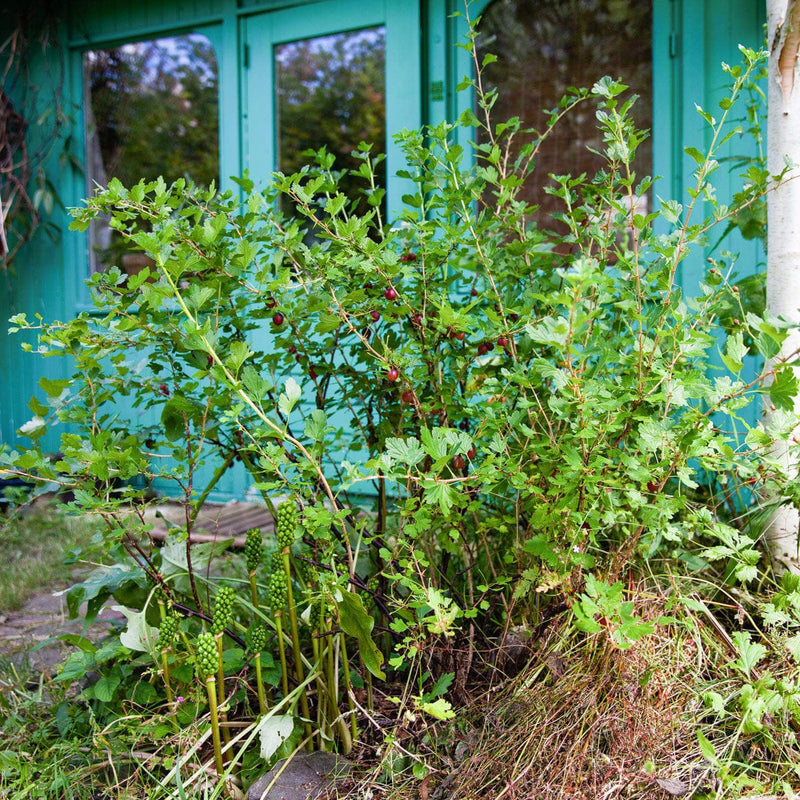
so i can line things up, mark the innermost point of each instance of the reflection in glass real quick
(330, 91)
(544, 47)
(150, 108)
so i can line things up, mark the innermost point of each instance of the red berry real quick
(277, 320)
(408, 257)
(407, 396)
(458, 462)
(417, 319)
(471, 453)
(390, 293)
(513, 317)
(271, 303)
(460, 335)
(392, 374)
(376, 315)
(292, 349)
(483, 349)
(474, 292)
(209, 361)
(502, 341)
(312, 373)
(162, 387)
(464, 425)
(652, 486)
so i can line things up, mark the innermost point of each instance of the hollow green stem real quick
(348, 687)
(282, 651)
(262, 698)
(221, 686)
(212, 707)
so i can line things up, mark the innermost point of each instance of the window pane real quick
(330, 92)
(546, 46)
(150, 108)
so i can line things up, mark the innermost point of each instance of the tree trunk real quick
(783, 230)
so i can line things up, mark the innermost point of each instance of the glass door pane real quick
(331, 92)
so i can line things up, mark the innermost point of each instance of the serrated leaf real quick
(750, 653)
(439, 708)
(316, 425)
(289, 397)
(793, 646)
(407, 451)
(784, 388)
(257, 386)
(238, 355)
(735, 351)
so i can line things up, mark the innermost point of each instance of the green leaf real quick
(138, 635)
(289, 397)
(257, 386)
(439, 709)
(104, 689)
(316, 425)
(273, 731)
(237, 356)
(407, 451)
(784, 388)
(735, 351)
(750, 653)
(706, 748)
(356, 622)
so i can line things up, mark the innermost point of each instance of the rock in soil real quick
(307, 776)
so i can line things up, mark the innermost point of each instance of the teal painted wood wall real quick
(690, 40)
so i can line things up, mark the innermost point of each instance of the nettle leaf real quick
(407, 452)
(290, 396)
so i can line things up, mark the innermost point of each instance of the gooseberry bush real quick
(462, 419)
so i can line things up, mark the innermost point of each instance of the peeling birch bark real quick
(783, 233)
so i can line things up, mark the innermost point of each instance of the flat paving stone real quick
(307, 776)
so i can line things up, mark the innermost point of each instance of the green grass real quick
(36, 548)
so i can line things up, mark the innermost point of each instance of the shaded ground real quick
(30, 636)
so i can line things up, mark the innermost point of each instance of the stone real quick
(307, 776)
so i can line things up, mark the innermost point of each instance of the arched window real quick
(544, 47)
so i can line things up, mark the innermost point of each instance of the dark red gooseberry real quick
(460, 335)
(390, 293)
(407, 396)
(376, 315)
(312, 373)
(162, 387)
(277, 320)
(471, 453)
(271, 302)
(392, 374)
(408, 257)
(458, 462)
(483, 349)
(502, 341)
(292, 349)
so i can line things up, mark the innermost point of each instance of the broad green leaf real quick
(138, 635)
(356, 622)
(273, 731)
(784, 388)
(316, 425)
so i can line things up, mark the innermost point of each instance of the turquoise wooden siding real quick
(690, 39)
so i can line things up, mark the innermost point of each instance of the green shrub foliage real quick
(474, 417)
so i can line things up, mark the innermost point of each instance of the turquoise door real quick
(300, 57)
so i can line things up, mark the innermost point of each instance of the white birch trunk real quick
(783, 229)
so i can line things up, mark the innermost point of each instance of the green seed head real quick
(256, 637)
(222, 615)
(253, 549)
(167, 631)
(276, 589)
(286, 524)
(205, 662)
